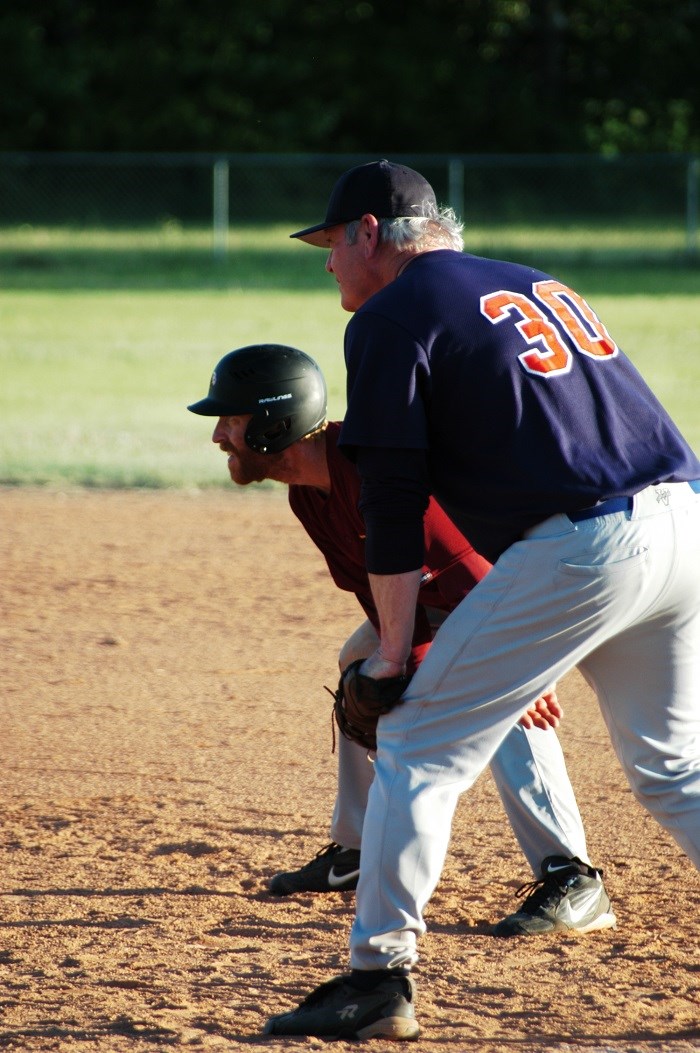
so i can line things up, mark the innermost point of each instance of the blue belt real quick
(603, 508)
(615, 504)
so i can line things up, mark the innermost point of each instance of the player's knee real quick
(664, 789)
(349, 654)
(361, 644)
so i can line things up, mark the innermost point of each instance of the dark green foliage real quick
(332, 76)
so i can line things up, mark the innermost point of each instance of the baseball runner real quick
(249, 388)
(497, 388)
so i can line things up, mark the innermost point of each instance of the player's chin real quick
(244, 476)
(347, 301)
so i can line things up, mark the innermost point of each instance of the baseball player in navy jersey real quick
(497, 388)
(269, 400)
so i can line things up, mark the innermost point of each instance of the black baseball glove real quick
(360, 701)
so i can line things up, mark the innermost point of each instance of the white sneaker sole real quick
(396, 1028)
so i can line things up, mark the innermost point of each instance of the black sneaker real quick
(338, 1009)
(569, 897)
(333, 869)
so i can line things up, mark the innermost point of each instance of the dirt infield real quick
(167, 746)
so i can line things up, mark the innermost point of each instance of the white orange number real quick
(549, 354)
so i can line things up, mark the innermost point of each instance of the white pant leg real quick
(548, 604)
(531, 777)
(658, 747)
(355, 769)
(647, 680)
(355, 774)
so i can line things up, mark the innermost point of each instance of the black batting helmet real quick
(282, 387)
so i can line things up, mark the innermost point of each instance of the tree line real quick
(466, 76)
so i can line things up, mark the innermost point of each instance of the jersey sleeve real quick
(388, 382)
(393, 498)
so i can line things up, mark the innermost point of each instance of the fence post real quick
(455, 186)
(693, 179)
(220, 208)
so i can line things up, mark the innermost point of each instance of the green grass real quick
(168, 257)
(174, 257)
(105, 337)
(96, 383)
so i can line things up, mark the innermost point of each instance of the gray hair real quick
(440, 228)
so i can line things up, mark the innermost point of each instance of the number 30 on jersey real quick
(549, 354)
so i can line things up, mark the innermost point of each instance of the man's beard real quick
(246, 466)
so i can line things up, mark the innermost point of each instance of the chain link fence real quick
(584, 207)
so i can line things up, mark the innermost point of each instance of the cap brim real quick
(315, 235)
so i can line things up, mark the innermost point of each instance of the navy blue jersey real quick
(520, 398)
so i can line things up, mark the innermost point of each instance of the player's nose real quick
(219, 433)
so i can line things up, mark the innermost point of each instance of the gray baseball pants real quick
(530, 774)
(619, 597)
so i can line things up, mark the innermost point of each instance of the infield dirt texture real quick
(167, 746)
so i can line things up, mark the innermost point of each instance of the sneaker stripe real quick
(338, 880)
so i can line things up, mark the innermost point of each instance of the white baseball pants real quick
(619, 597)
(531, 777)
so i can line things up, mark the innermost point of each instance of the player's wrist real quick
(392, 660)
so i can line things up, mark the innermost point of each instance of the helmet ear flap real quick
(267, 440)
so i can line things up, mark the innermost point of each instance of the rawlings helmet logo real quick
(275, 398)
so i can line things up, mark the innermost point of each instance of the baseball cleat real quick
(333, 869)
(340, 1010)
(569, 897)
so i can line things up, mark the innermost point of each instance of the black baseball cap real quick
(383, 189)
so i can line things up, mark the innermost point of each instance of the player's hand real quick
(545, 712)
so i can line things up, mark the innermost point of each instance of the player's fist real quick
(545, 712)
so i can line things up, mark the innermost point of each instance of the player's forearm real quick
(395, 596)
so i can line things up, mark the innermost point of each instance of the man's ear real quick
(368, 234)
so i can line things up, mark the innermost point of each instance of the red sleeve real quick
(452, 566)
